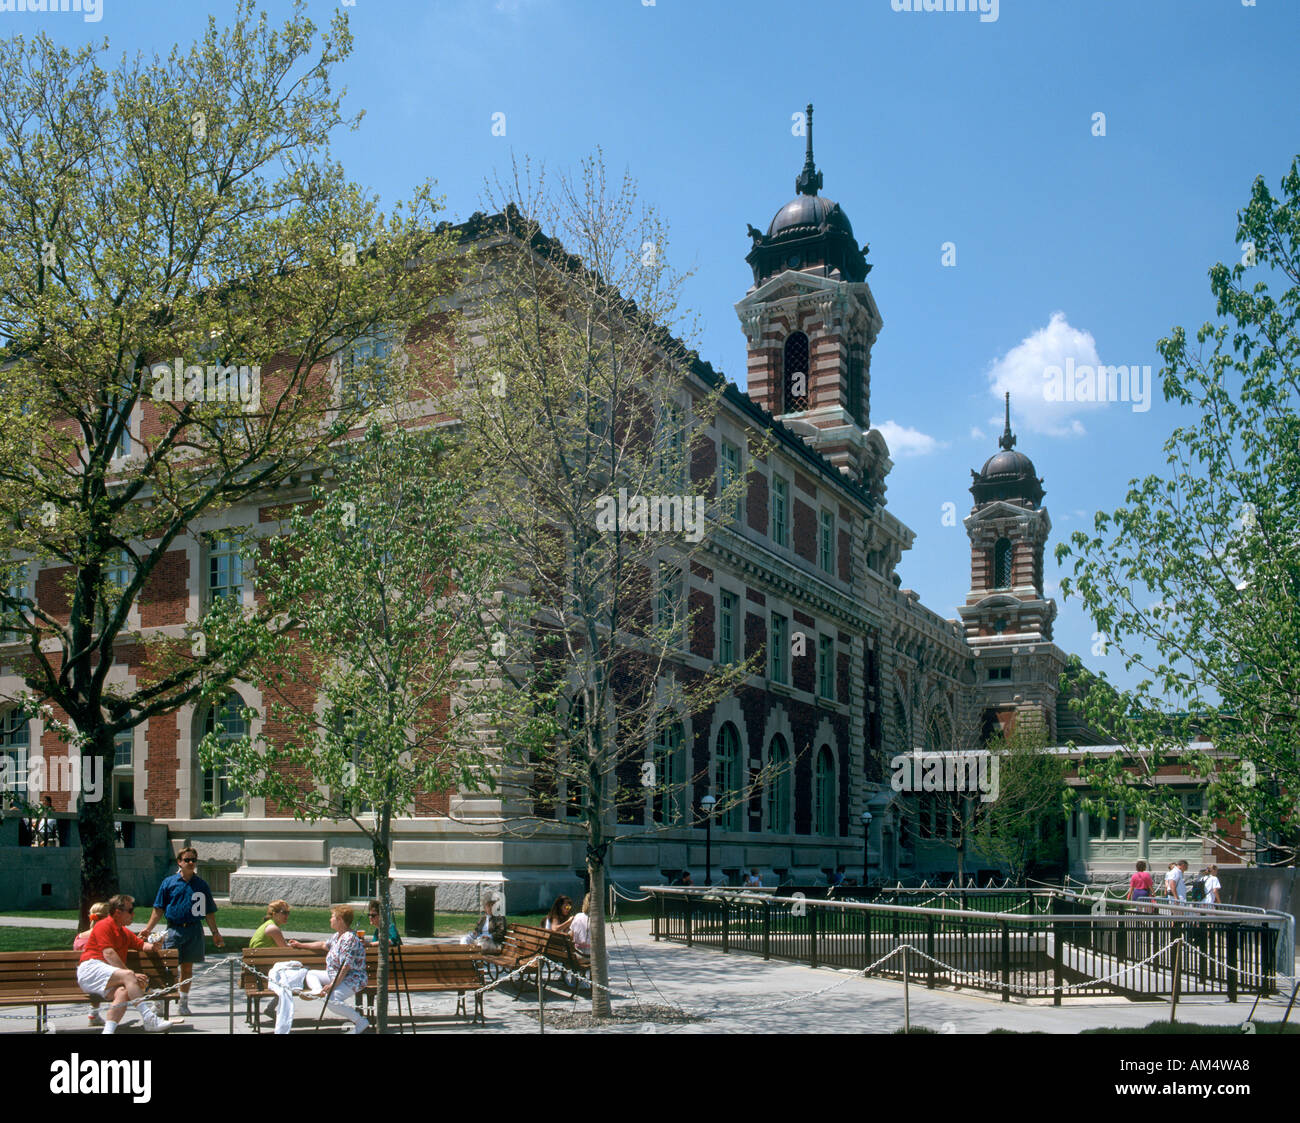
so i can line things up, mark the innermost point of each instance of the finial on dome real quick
(810, 179)
(1008, 439)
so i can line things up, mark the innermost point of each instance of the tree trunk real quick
(382, 883)
(600, 1003)
(95, 827)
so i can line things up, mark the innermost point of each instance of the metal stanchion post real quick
(907, 997)
(541, 1001)
(231, 989)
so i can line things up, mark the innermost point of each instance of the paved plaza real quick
(734, 993)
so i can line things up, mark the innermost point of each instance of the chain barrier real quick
(982, 981)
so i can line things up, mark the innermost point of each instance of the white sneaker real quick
(183, 1008)
(152, 1022)
(96, 1019)
(361, 1026)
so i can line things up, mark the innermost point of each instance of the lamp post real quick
(707, 803)
(866, 846)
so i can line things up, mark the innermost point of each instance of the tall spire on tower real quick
(1008, 439)
(810, 179)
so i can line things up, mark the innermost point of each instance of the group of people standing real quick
(1141, 885)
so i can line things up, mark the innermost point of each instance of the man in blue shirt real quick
(186, 901)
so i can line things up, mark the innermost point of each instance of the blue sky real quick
(930, 128)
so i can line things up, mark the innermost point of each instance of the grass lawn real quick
(35, 939)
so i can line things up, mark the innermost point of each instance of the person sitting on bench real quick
(345, 969)
(103, 968)
(490, 931)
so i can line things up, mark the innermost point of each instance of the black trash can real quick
(419, 909)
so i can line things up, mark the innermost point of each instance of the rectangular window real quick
(365, 381)
(671, 620)
(15, 589)
(826, 666)
(826, 542)
(778, 650)
(115, 575)
(225, 568)
(728, 475)
(999, 674)
(727, 613)
(671, 441)
(780, 511)
(218, 879)
(359, 885)
(122, 748)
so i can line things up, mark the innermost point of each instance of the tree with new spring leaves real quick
(181, 260)
(386, 575)
(585, 420)
(1196, 580)
(1026, 823)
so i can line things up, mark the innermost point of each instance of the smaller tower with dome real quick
(1007, 618)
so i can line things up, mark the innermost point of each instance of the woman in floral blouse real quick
(345, 967)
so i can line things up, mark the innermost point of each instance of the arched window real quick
(900, 726)
(730, 780)
(227, 722)
(669, 777)
(14, 743)
(778, 786)
(827, 805)
(1002, 564)
(938, 734)
(794, 373)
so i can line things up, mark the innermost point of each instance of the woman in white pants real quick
(345, 967)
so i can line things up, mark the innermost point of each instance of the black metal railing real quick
(1053, 947)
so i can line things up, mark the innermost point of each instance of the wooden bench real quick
(414, 968)
(560, 949)
(49, 978)
(523, 943)
(434, 968)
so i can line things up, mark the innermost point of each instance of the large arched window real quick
(827, 805)
(14, 744)
(669, 777)
(1002, 564)
(730, 780)
(227, 722)
(794, 373)
(938, 734)
(904, 744)
(779, 784)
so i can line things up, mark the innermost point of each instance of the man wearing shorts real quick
(186, 901)
(103, 970)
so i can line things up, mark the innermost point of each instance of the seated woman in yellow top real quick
(268, 934)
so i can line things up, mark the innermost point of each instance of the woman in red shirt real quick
(1140, 887)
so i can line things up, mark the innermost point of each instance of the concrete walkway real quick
(736, 993)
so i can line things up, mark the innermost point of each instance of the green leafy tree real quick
(172, 211)
(579, 411)
(1025, 824)
(1196, 579)
(384, 581)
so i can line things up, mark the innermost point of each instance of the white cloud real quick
(1022, 371)
(976, 433)
(903, 441)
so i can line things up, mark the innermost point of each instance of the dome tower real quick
(1008, 620)
(810, 321)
